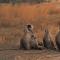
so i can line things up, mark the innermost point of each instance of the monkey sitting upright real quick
(29, 40)
(48, 43)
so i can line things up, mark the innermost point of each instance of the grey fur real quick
(29, 40)
(57, 39)
(47, 40)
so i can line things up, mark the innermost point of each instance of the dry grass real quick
(13, 19)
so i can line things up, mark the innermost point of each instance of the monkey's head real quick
(28, 27)
(46, 30)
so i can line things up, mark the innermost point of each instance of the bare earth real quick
(29, 55)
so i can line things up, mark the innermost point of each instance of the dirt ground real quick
(29, 55)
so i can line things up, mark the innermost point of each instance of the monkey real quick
(57, 39)
(47, 41)
(29, 40)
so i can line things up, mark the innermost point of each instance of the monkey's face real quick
(30, 27)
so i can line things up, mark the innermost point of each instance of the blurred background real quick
(30, 1)
(15, 14)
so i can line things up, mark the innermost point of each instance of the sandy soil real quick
(29, 55)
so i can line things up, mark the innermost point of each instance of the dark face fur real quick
(29, 27)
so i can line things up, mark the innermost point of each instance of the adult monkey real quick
(29, 40)
(57, 39)
(47, 40)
